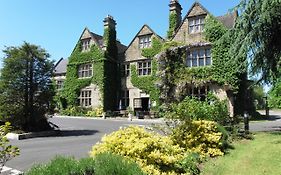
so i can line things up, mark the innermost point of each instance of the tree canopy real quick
(257, 34)
(26, 87)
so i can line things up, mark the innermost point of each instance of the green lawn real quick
(261, 156)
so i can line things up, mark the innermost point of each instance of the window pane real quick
(149, 71)
(144, 71)
(208, 61)
(191, 29)
(201, 61)
(194, 62)
(208, 52)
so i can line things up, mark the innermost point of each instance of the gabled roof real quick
(60, 66)
(228, 20)
(98, 39)
(145, 25)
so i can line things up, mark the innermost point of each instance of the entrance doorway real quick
(141, 104)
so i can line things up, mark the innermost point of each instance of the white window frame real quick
(199, 57)
(145, 41)
(144, 68)
(85, 98)
(196, 25)
(85, 71)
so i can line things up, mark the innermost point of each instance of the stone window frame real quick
(86, 44)
(125, 98)
(126, 69)
(144, 68)
(199, 92)
(196, 24)
(145, 41)
(59, 84)
(85, 70)
(85, 98)
(198, 57)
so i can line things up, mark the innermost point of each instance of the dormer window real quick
(145, 41)
(85, 71)
(196, 25)
(86, 44)
(199, 57)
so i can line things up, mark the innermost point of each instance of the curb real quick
(10, 171)
(157, 120)
(13, 136)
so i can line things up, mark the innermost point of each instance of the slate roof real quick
(228, 20)
(60, 66)
(98, 38)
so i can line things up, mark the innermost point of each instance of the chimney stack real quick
(175, 18)
(109, 22)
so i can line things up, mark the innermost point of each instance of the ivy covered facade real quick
(151, 69)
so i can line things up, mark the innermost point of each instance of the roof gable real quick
(97, 39)
(196, 10)
(145, 30)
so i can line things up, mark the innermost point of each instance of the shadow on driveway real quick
(72, 133)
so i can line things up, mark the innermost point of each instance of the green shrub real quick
(103, 164)
(64, 166)
(110, 164)
(190, 163)
(7, 151)
(192, 109)
(156, 154)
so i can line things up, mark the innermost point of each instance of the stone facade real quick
(131, 55)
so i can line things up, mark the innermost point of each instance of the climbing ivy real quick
(104, 64)
(73, 84)
(149, 83)
(226, 71)
(172, 24)
(111, 74)
(176, 77)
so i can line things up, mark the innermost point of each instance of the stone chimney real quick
(109, 22)
(109, 36)
(176, 8)
(174, 17)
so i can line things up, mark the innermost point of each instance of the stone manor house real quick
(188, 30)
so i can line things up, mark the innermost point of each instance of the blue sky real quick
(56, 25)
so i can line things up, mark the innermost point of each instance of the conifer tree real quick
(257, 34)
(26, 88)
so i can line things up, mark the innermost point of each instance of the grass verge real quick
(261, 156)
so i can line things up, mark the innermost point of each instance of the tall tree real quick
(257, 34)
(26, 89)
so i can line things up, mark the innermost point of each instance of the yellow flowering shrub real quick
(97, 112)
(156, 154)
(202, 137)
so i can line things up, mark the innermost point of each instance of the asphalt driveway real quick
(77, 137)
